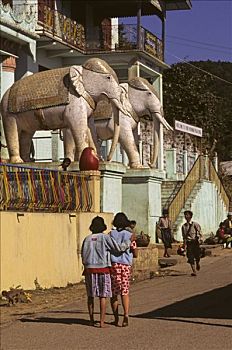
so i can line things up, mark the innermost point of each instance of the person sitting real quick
(223, 237)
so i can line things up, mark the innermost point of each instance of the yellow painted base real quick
(43, 247)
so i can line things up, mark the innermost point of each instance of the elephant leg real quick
(25, 144)
(12, 138)
(127, 142)
(79, 129)
(93, 141)
(69, 144)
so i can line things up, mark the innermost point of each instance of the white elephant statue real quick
(55, 99)
(140, 99)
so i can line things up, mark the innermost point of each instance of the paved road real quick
(174, 312)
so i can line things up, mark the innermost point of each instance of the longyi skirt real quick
(98, 285)
(166, 237)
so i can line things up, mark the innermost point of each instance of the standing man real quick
(228, 224)
(165, 226)
(191, 232)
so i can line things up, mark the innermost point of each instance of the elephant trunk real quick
(121, 105)
(116, 133)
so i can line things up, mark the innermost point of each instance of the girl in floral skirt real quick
(95, 254)
(121, 267)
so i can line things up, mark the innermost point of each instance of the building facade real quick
(46, 34)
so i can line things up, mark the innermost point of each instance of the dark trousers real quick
(193, 251)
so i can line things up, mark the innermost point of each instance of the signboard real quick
(190, 129)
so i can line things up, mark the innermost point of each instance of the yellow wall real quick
(43, 246)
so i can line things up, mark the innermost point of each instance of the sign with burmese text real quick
(190, 129)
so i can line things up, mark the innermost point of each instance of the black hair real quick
(121, 221)
(165, 211)
(188, 212)
(132, 222)
(97, 225)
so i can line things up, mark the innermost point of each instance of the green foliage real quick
(200, 99)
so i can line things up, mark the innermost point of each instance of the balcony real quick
(106, 38)
(57, 25)
(126, 38)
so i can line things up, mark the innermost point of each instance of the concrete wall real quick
(141, 198)
(43, 246)
(146, 264)
(208, 207)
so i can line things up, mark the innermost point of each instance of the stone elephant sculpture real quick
(55, 99)
(140, 99)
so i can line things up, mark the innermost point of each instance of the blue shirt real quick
(96, 249)
(125, 258)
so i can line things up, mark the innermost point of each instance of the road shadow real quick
(62, 320)
(215, 304)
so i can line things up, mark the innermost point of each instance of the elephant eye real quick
(108, 77)
(149, 93)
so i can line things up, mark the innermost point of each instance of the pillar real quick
(141, 198)
(185, 162)
(215, 161)
(57, 146)
(171, 163)
(111, 186)
(8, 66)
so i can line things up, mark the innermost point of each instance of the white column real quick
(8, 66)
(57, 146)
(171, 163)
(114, 32)
(158, 84)
(215, 161)
(185, 162)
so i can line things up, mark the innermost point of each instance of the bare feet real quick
(103, 325)
(125, 322)
(193, 274)
(115, 322)
(92, 323)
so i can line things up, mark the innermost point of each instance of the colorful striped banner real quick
(33, 189)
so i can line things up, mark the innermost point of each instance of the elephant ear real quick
(77, 79)
(126, 103)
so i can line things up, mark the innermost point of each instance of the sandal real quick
(125, 321)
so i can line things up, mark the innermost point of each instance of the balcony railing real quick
(60, 26)
(122, 38)
(35, 190)
(113, 38)
(203, 169)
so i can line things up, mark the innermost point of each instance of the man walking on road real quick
(191, 232)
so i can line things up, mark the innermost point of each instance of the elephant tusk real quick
(163, 121)
(90, 139)
(114, 142)
(116, 133)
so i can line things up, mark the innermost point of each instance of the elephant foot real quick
(152, 166)
(136, 166)
(16, 159)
